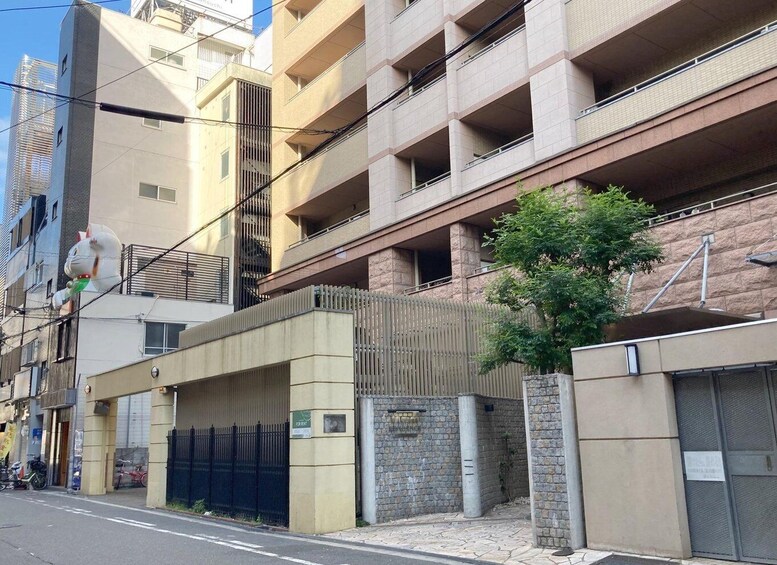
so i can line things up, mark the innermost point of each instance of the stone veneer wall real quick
(733, 285)
(417, 474)
(554, 461)
(499, 432)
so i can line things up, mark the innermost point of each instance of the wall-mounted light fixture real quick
(154, 372)
(632, 359)
(87, 389)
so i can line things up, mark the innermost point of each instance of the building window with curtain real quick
(161, 337)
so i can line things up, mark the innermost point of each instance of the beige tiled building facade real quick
(673, 99)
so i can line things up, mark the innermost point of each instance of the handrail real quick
(340, 141)
(487, 269)
(333, 227)
(305, 17)
(763, 190)
(489, 47)
(420, 90)
(502, 149)
(680, 68)
(406, 8)
(329, 68)
(428, 285)
(427, 184)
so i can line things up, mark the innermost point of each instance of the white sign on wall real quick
(230, 10)
(704, 466)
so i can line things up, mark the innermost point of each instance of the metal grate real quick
(696, 414)
(179, 274)
(744, 399)
(756, 501)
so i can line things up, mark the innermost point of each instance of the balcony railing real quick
(490, 46)
(428, 285)
(770, 188)
(427, 184)
(331, 228)
(755, 34)
(487, 269)
(328, 70)
(500, 150)
(179, 274)
(415, 92)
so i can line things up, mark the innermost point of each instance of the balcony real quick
(179, 274)
(499, 163)
(588, 20)
(328, 169)
(416, 22)
(330, 88)
(329, 238)
(328, 27)
(424, 196)
(477, 80)
(426, 110)
(731, 62)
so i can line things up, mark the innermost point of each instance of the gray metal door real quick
(728, 434)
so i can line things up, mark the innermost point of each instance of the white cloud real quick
(4, 123)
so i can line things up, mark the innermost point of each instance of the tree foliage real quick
(568, 253)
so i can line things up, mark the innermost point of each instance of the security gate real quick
(727, 423)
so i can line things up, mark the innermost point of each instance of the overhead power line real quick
(51, 6)
(424, 72)
(200, 40)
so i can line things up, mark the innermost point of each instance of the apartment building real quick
(152, 182)
(673, 100)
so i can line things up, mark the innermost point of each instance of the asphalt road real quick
(60, 529)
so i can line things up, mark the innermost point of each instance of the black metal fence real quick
(179, 274)
(239, 471)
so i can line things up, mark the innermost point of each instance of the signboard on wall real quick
(704, 466)
(300, 424)
(229, 10)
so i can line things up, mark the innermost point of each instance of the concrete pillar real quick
(162, 403)
(465, 257)
(391, 270)
(367, 463)
(554, 461)
(470, 474)
(99, 447)
(322, 474)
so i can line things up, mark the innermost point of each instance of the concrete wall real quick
(629, 446)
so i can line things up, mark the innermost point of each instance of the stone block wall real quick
(502, 463)
(554, 461)
(419, 473)
(733, 285)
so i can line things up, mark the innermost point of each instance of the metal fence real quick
(403, 345)
(240, 471)
(179, 274)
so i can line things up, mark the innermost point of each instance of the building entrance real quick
(727, 423)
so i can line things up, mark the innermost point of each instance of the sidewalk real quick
(503, 535)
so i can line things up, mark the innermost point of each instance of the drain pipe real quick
(679, 272)
(627, 294)
(707, 239)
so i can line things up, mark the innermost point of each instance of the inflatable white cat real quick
(94, 262)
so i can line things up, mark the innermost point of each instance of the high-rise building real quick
(29, 143)
(672, 100)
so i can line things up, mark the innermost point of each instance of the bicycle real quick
(138, 476)
(14, 477)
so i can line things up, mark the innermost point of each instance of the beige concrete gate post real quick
(99, 448)
(162, 400)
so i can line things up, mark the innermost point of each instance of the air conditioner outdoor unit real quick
(30, 353)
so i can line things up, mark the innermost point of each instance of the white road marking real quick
(135, 521)
(362, 548)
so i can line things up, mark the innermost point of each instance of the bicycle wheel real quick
(117, 482)
(144, 480)
(38, 481)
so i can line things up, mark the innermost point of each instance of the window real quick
(157, 192)
(162, 337)
(38, 275)
(152, 123)
(64, 64)
(165, 56)
(224, 165)
(64, 331)
(225, 103)
(50, 288)
(54, 211)
(59, 136)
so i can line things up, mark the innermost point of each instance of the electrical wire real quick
(200, 40)
(50, 6)
(420, 75)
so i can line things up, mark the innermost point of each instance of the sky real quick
(36, 33)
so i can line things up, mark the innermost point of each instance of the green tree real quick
(568, 253)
